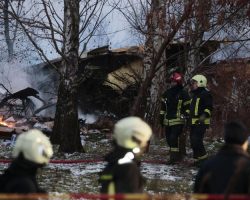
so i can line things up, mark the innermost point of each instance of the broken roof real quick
(105, 58)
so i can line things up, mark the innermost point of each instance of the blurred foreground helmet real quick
(176, 77)
(201, 80)
(132, 132)
(35, 147)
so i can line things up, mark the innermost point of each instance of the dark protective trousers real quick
(197, 133)
(172, 135)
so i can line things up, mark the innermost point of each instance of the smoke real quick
(45, 80)
(90, 118)
(13, 75)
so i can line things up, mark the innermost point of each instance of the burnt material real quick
(21, 94)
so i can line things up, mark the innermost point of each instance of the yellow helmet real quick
(132, 132)
(201, 80)
(34, 145)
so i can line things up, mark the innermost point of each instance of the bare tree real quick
(190, 23)
(160, 21)
(220, 20)
(66, 126)
(10, 25)
(156, 23)
(69, 35)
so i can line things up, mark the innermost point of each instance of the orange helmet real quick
(176, 77)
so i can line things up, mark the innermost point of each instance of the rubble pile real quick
(15, 126)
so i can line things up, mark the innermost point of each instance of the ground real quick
(83, 177)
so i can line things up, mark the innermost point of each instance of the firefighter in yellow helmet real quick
(122, 173)
(199, 116)
(32, 150)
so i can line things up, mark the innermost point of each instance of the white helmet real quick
(34, 145)
(201, 80)
(132, 132)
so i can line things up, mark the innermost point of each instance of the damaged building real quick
(112, 81)
(114, 77)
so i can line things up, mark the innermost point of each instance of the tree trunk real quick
(66, 127)
(66, 131)
(157, 87)
(150, 89)
(198, 26)
(8, 40)
(194, 55)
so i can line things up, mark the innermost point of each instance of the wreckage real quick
(18, 104)
(10, 101)
(111, 86)
(106, 81)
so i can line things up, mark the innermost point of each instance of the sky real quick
(115, 26)
(115, 31)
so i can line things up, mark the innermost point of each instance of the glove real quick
(197, 122)
(184, 116)
(201, 119)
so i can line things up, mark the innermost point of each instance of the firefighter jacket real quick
(121, 175)
(175, 103)
(200, 107)
(20, 177)
(228, 172)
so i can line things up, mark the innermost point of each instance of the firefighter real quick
(228, 171)
(175, 104)
(199, 116)
(122, 173)
(32, 151)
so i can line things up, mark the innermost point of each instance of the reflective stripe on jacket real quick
(201, 105)
(175, 103)
(121, 175)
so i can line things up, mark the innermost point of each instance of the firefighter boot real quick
(175, 157)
